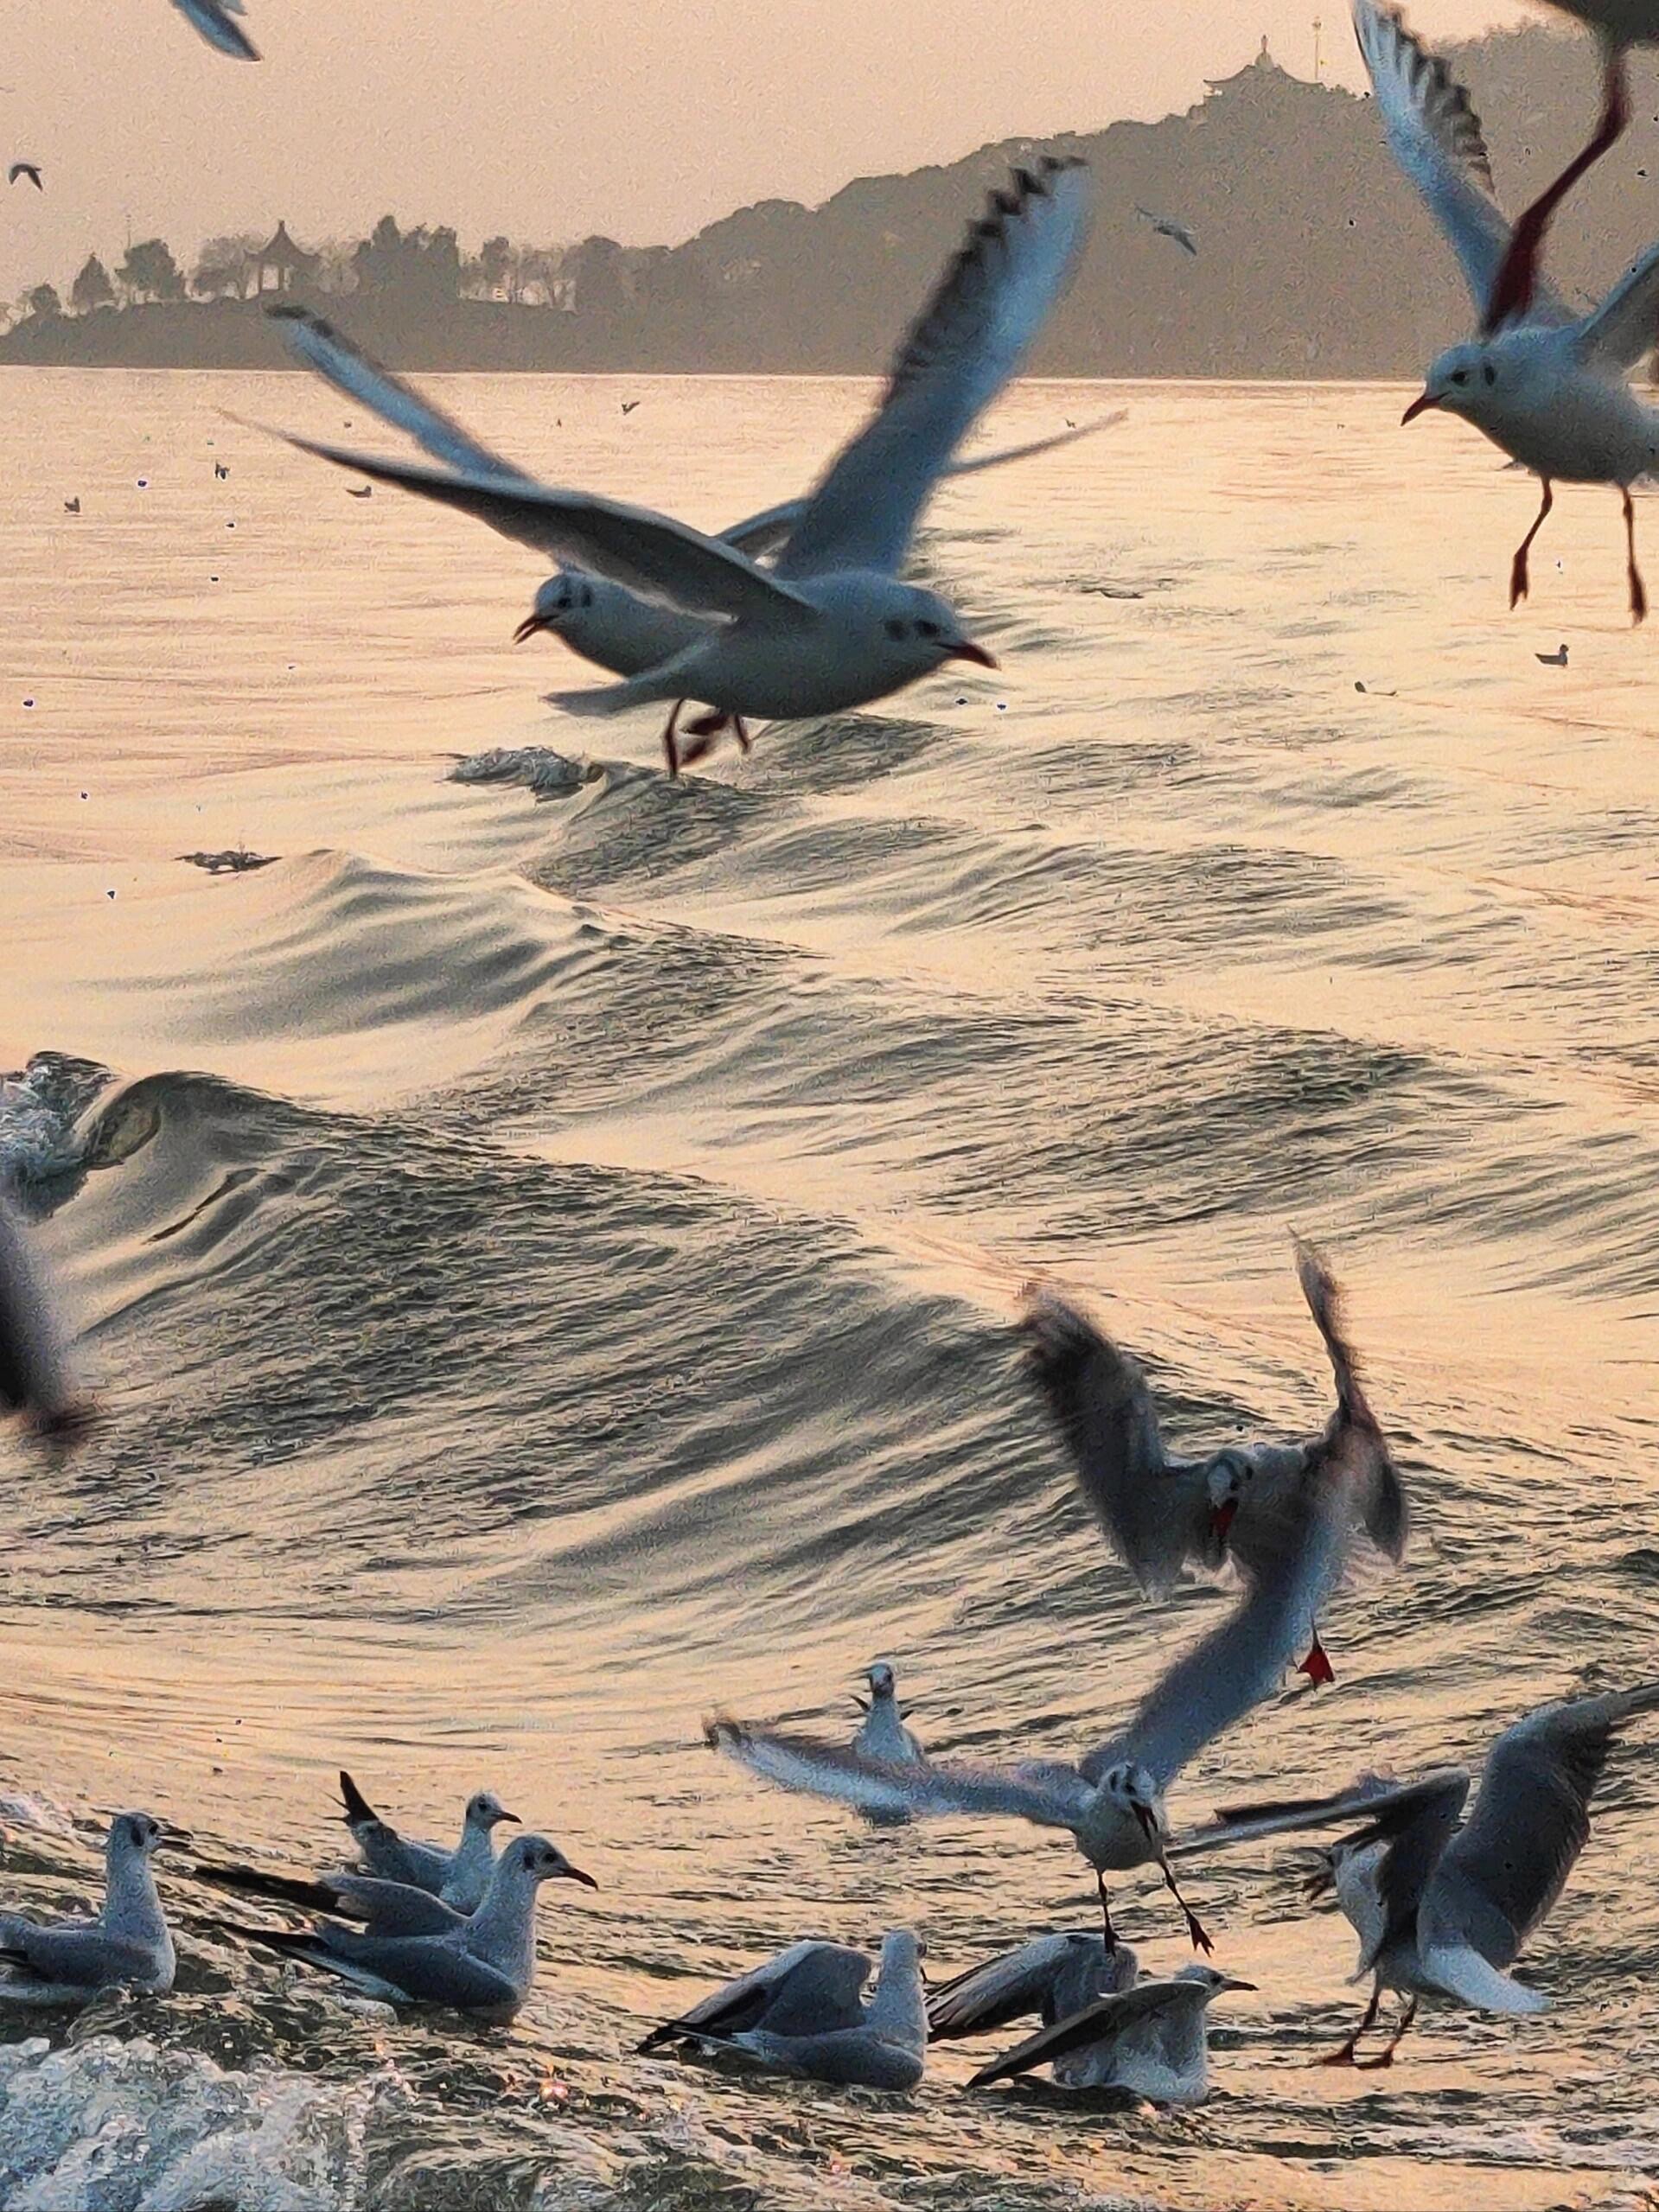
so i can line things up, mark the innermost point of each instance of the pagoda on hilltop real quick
(286, 264)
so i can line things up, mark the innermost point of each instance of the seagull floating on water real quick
(1161, 1513)
(1552, 389)
(216, 21)
(1443, 1907)
(458, 1877)
(1556, 660)
(482, 1963)
(1153, 2040)
(830, 626)
(883, 1734)
(30, 169)
(1056, 1977)
(1166, 226)
(1111, 1803)
(72, 507)
(804, 2013)
(129, 1946)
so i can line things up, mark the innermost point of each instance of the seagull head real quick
(537, 1860)
(882, 1679)
(486, 1811)
(137, 1832)
(1209, 1981)
(1465, 381)
(1134, 1789)
(1226, 1481)
(558, 599)
(914, 631)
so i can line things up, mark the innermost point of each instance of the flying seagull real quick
(1443, 1907)
(1619, 24)
(617, 628)
(830, 626)
(1550, 388)
(34, 1380)
(482, 1963)
(1153, 2040)
(458, 1877)
(1166, 226)
(30, 169)
(1161, 1513)
(804, 2013)
(628, 405)
(216, 21)
(1111, 1802)
(128, 1946)
(72, 507)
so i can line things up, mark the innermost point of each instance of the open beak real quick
(964, 649)
(574, 1874)
(528, 628)
(1222, 1519)
(1148, 1820)
(1421, 405)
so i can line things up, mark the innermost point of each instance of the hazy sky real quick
(642, 118)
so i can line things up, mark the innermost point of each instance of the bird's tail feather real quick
(358, 1807)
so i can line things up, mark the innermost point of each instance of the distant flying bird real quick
(1557, 660)
(72, 507)
(1166, 226)
(360, 491)
(214, 19)
(628, 405)
(30, 169)
(1550, 388)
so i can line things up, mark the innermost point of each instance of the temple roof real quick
(1263, 65)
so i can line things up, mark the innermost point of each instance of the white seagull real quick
(830, 626)
(129, 1946)
(425, 1953)
(1054, 1976)
(1111, 1802)
(459, 1877)
(1166, 226)
(1159, 1513)
(1551, 388)
(618, 629)
(216, 21)
(1443, 1907)
(804, 2013)
(1153, 2040)
(882, 1734)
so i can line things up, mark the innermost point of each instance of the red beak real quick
(1419, 405)
(528, 628)
(968, 651)
(1224, 1517)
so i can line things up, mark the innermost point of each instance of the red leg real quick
(1384, 2056)
(1638, 590)
(1195, 1927)
(670, 749)
(1345, 2056)
(1106, 1913)
(1519, 579)
(1317, 1666)
(1517, 278)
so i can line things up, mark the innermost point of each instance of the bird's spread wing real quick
(212, 19)
(345, 366)
(1099, 1402)
(1370, 1798)
(969, 340)
(1623, 327)
(761, 534)
(1106, 2019)
(649, 552)
(1002, 1989)
(1497, 1880)
(1231, 1670)
(1053, 1797)
(1381, 1496)
(1434, 134)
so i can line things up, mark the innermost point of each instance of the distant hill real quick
(1315, 259)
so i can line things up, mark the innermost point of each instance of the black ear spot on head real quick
(1488, 373)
